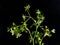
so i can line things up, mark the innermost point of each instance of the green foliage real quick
(35, 36)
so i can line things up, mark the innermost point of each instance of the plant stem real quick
(31, 36)
(33, 41)
(28, 29)
(31, 17)
(27, 19)
(39, 43)
(28, 13)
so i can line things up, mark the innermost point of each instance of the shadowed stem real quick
(33, 41)
(31, 36)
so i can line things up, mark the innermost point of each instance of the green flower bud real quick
(18, 35)
(38, 12)
(42, 43)
(24, 17)
(53, 31)
(12, 31)
(27, 7)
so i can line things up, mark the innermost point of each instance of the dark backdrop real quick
(10, 11)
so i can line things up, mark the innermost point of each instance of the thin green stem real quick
(39, 43)
(28, 13)
(37, 27)
(27, 19)
(31, 36)
(33, 41)
(31, 17)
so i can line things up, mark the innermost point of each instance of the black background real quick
(10, 11)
